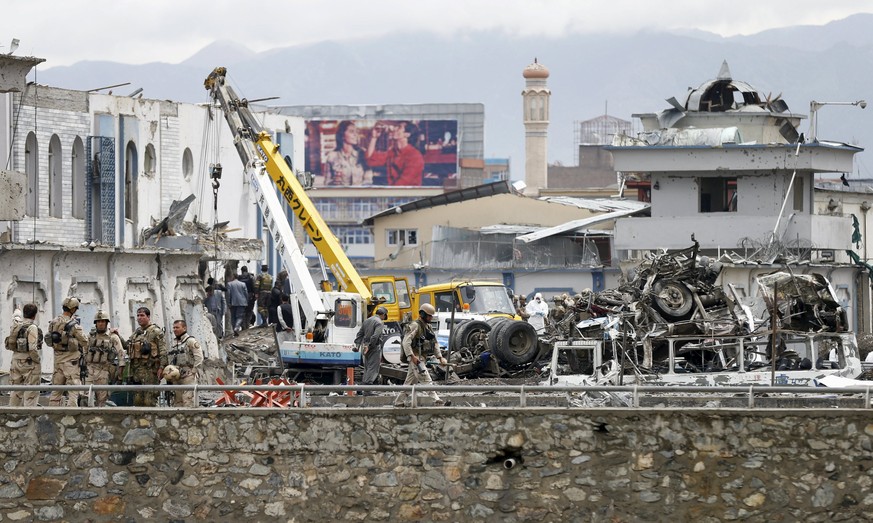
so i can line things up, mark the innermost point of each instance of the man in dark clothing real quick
(369, 342)
(276, 297)
(285, 315)
(246, 278)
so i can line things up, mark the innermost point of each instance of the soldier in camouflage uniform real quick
(186, 354)
(147, 349)
(104, 352)
(263, 284)
(24, 341)
(68, 340)
(419, 343)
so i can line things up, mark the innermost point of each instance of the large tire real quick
(454, 339)
(517, 344)
(496, 325)
(472, 335)
(673, 300)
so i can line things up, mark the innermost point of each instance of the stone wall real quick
(435, 464)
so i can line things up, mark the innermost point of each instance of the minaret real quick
(536, 125)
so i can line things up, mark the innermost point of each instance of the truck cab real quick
(392, 293)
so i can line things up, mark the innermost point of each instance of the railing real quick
(303, 393)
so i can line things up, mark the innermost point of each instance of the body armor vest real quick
(17, 339)
(178, 355)
(141, 348)
(100, 349)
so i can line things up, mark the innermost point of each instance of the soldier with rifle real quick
(68, 340)
(147, 349)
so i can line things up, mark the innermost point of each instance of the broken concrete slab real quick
(13, 194)
(14, 70)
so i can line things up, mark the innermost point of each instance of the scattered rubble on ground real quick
(671, 302)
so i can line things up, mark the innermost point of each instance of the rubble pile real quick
(675, 294)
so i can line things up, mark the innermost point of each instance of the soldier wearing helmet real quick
(24, 341)
(419, 343)
(369, 341)
(68, 340)
(147, 349)
(186, 354)
(105, 356)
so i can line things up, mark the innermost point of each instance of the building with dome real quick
(731, 169)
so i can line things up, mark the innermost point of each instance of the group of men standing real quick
(240, 295)
(100, 357)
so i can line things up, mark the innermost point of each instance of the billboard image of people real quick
(400, 153)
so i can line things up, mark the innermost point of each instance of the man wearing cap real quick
(187, 356)
(24, 341)
(68, 339)
(369, 341)
(105, 351)
(263, 284)
(148, 357)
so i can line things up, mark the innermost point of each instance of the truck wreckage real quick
(669, 323)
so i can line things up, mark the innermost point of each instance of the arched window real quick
(187, 164)
(31, 169)
(130, 179)
(55, 178)
(151, 161)
(79, 189)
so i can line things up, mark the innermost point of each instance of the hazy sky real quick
(68, 31)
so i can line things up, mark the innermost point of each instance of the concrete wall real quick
(436, 465)
(118, 282)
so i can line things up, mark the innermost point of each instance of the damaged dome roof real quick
(725, 94)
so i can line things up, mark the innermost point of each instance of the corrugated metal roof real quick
(461, 195)
(598, 204)
(519, 230)
(507, 228)
(576, 225)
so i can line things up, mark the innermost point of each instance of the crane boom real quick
(244, 127)
(254, 144)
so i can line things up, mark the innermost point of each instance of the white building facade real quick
(98, 171)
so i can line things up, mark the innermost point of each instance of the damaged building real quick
(736, 169)
(121, 201)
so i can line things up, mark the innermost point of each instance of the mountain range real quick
(589, 75)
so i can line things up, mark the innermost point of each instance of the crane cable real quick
(210, 155)
(36, 178)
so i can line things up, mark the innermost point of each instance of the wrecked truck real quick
(670, 323)
(477, 329)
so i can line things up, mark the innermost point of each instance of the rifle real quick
(83, 366)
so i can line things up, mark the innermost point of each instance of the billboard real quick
(386, 153)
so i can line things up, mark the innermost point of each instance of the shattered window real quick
(718, 194)
(444, 302)
(402, 236)
(346, 313)
(383, 291)
(402, 294)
